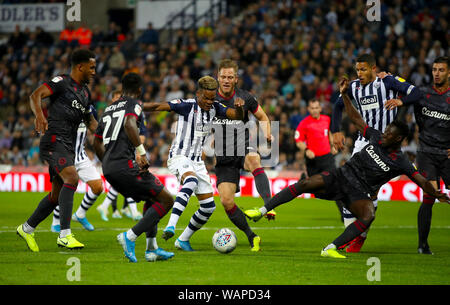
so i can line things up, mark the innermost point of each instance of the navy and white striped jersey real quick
(369, 100)
(194, 125)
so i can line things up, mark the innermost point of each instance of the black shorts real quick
(57, 155)
(338, 188)
(320, 164)
(131, 183)
(433, 166)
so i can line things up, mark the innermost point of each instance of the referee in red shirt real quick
(314, 139)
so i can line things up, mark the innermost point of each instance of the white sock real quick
(190, 183)
(110, 197)
(186, 235)
(131, 236)
(133, 206)
(55, 216)
(64, 233)
(27, 228)
(330, 246)
(263, 210)
(151, 243)
(87, 202)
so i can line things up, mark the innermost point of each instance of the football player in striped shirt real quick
(195, 117)
(370, 94)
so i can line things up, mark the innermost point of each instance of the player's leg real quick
(152, 251)
(69, 176)
(429, 170)
(95, 189)
(364, 211)
(309, 185)
(56, 228)
(235, 214)
(44, 209)
(200, 217)
(110, 198)
(189, 182)
(252, 163)
(131, 206)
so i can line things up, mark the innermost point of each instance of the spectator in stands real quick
(149, 36)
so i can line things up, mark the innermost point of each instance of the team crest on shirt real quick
(57, 79)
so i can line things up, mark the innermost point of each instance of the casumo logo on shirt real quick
(435, 114)
(369, 102)
(376, 158)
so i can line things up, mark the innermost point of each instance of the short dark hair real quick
(368, 58)
(81, 56)
(402, 128)
(442, 60)
(314, 100)
(131, 83)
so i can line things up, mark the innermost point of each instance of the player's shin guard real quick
(262, 184)
(189, 185)
(351, 232)
(201, 216)
(237, 217)
(43, 210)
(285, 195)
(65, 205)
(424, 220)
(150, 219)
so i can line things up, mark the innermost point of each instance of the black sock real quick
(65, 200)
(424, 220)
(262, 184)
(237, 217)
(150, 219)
(285, 195)
(351, 232)
(44, 209)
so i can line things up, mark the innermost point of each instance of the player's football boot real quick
(183, 245)
(331, 253)
(29, 238)
(116, 214)
(128, 247)
(253, 214)
(103, 212)
(255, 244)
(158, 255)
(424, 251)
(69, 242)
(356, 245)
(271, 215)
(168, 232)
(84, 222)
(126, 211)
(56, 228)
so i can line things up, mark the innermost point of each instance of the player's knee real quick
(227, 202)
(252, 162)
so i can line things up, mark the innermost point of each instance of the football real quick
(224, 240)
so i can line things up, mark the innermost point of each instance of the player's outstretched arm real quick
(154, 106)
(351, 111)
(429, 188)
(264, 122)
(40, 123)
(238, 112)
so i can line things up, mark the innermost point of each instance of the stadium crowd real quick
(289, 52)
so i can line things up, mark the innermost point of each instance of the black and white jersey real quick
(80, 153)
(432, 114)
(193, 126)
(369, 100)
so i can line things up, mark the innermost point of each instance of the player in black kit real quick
(116, 140)
(432, 113)
(377, 163)
(69, 105)
(235, 152)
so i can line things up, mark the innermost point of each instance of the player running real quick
(375, 164)
(69, 105)
(370, 93)
(195, 117)
(116, 143)
(432, 113)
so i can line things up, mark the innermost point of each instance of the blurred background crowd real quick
(288, 52)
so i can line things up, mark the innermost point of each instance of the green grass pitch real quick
(290, 249)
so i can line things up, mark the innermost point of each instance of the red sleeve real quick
(300, 133)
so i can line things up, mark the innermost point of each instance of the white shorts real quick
(359, 144)
(87, 171)
(179, 165)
